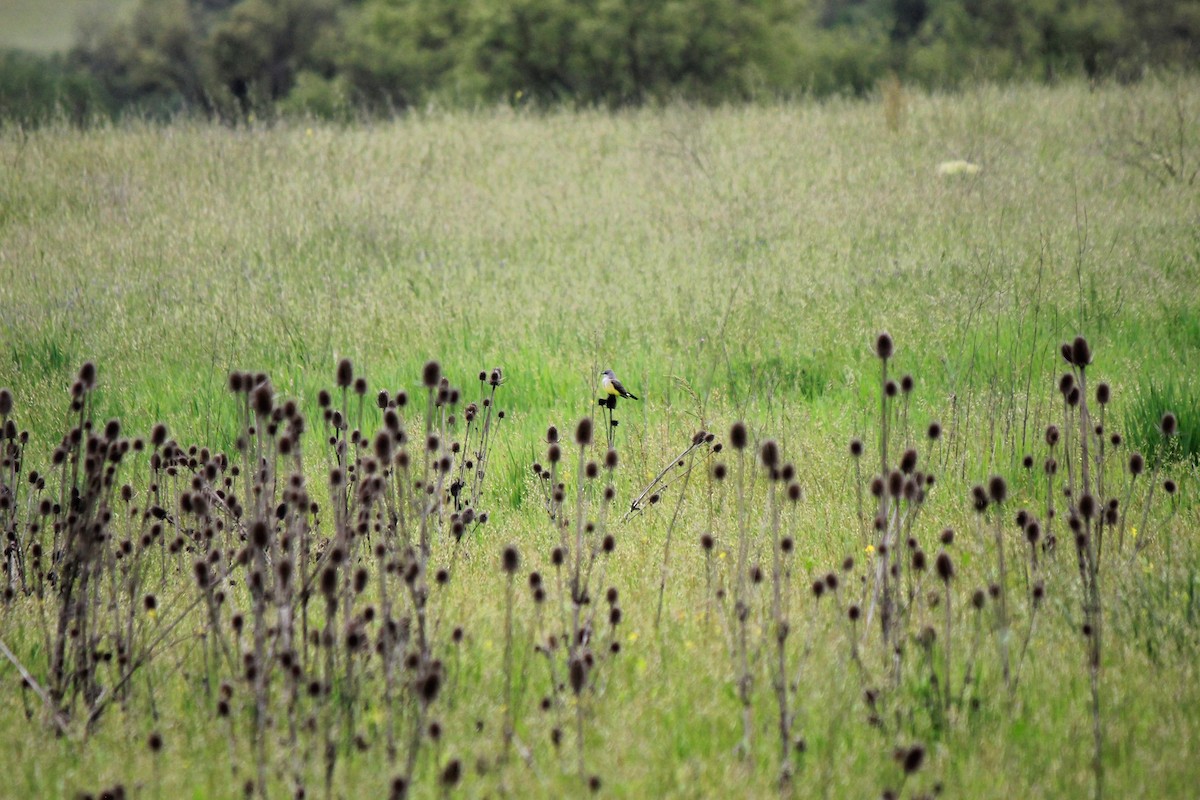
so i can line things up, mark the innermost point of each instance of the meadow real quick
(732, 265)
(52, 26)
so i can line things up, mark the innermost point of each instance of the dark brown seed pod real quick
(1169, 425)
(884, 345)
(997, 489)
(738, 436)
(944, 566)
(345, 373)
(431, 374)
(1081, 352)
(768, 452)
(583, 432)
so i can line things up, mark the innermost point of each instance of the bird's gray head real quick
(609, 373)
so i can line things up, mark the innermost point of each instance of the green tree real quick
(257, 48)
(397, 51)
(156, 58)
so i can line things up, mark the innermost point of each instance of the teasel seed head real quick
(329, 581)
(578, 674)
(429, 685)
(884, 346)
(914, 757)
(451, 774)
(431, 374)
(1081, 352)
(510, 559)
(979, 498)
(1087, 506)
(738, 436)
(768, 453)
(944, 566)
(583, 432)
(1168, 425)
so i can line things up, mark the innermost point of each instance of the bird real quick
(612, 386)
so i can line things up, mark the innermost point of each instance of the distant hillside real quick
(47, 26)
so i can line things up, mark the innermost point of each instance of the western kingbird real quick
(612, 386)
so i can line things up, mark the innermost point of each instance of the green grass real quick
(50, 26)
(727, 263)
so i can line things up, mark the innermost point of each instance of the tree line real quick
(340, 58)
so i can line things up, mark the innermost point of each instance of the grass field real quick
(50, 26)
(729, 264)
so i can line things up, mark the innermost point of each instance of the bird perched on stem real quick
(612, 386)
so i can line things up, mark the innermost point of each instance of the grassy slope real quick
(48, 26)
(726, 263)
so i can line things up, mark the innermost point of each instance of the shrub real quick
(35, 90)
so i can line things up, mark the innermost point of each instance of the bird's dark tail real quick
(631, 395)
